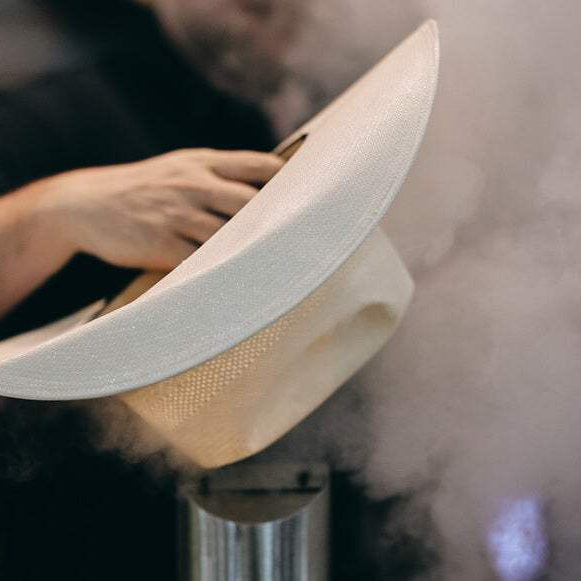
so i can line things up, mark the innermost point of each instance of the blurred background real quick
(456, 450)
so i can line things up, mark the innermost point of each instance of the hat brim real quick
(300, 228)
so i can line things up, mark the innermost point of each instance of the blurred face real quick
(238, 44)
(290, 57)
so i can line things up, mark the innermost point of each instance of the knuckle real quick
(181, 159)
(194, 219)
(183, 152)
(174, 214)
(201, 152)
(171, 156)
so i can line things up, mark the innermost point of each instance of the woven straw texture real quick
(226, 309)
(238, 403)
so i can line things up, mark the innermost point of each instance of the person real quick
(150, 214)
(122, 123)
(128, 162)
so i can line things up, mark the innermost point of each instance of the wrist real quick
(44, 216)
(32, 245)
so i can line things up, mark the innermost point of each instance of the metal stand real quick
(257, 522)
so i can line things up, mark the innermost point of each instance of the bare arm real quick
(151, 214)
(31, 249)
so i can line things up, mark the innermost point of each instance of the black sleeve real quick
(121, 109)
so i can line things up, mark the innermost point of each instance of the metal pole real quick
(257, 522)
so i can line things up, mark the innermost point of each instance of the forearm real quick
(150, 215)
(31, 246)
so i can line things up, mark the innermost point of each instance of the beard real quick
(288, 57)
(234, 65)
(238, 45)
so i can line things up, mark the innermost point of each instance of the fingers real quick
(227, 197)
(245, 166)
(222, 181)
(153, 214)
(171, 252)
(198, 225)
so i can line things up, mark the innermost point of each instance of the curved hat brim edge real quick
(20, 377)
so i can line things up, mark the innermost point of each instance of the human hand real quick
(153, 214)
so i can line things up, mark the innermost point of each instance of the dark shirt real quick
(67, 511)
(81, 515)
(132, 106)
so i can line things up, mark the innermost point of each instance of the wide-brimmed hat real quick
(280, 307)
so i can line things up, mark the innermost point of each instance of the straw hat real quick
(280, 307)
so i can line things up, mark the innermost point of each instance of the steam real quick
(473, 411)
(115, 428)
(477, 398)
